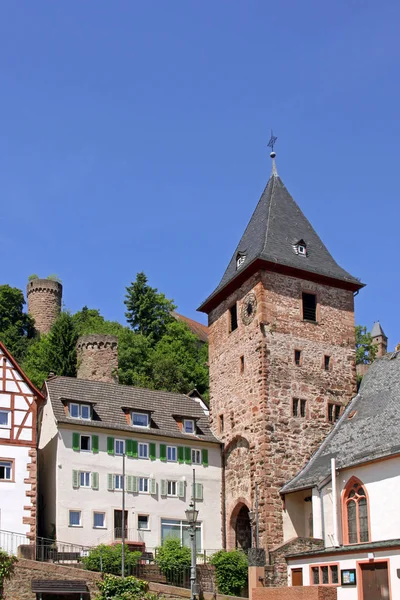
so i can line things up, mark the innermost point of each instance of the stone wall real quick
(317, 592)
(31, 494)
(98, 358)
(277, 572)
(19, 587)
(44, 302)
(264, 442)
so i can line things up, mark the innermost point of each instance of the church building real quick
(282, 361)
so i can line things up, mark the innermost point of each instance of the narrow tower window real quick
(297, 357)
(242, 364)
(295, 407)
(303, 408)
(309, 307)
(233, 316)
(333, 412)
(221, 423)
(327, 362)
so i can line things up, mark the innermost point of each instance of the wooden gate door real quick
(297, 576)
(375, 581)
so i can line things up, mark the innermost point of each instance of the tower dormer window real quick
(300, 248)
(240, 259)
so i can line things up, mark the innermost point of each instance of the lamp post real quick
(123, 518)
(191, 517)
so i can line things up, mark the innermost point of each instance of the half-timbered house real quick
(19, 404)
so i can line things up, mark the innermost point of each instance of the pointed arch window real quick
(355, 518)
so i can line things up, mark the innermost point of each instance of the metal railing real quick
(41, 549)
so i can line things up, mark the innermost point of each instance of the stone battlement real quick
(98, 357)
(97, 340)
(44, 302)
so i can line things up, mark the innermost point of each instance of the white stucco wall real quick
(297, 521)
(350, 561)
(12, 494)
(157, 507)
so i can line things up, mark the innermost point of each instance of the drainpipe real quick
(334, 501)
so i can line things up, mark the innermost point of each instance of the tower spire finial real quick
(271, 145)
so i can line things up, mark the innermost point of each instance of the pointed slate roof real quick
(274, 229)
(377, 330)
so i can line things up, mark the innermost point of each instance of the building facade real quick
(86, 430)
(19, 405)
(281, 356)
(350, 488)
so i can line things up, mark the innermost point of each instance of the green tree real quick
(148, 310)
(16, 327)
(89, 320)
(365, 348)
(174, 560)
(179, 361)
(7, 564)
(231, 571)
(108, 559)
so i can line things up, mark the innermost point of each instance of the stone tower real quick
(44, 302)
(281, 356)
(98, 358)
(379, 339)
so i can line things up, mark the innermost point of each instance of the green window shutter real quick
(163, 487)
(75, 441)
(134, 449)
(199, 491)
(135, 485)
(188, 456)
(75, 479)
(95, 481)
(95, 444)
(152, 451)
(180, 454)
(110, 445)
(181, 489)
(204, 457)
(110, 481)
(163, 452)
(129, 484)
(129, 447)
(153, 486)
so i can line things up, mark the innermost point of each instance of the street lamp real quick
(191, 517)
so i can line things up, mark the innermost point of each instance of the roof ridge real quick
(273, 178)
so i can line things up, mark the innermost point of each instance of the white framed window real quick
(196, 457)
(143, 449)
(140, 419)
(86, 443)
(172, 488)
(302, 249)
(99, 520)
(118, 482)
(75, 518)
(119, 447)
(180, 529)
(188, 425)
(79, 411)
(4, 419)
(5, 471)
(84, 479)
(144, 485)
(171, 453)
(143, 522)
(240, 259)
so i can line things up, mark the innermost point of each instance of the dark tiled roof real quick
(275, 226)
(368, 429)
(356, 548)
(110, 398)
(198, 329)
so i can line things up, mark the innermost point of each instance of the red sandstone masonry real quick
(264, 443)
(295, 593)
(44, 302)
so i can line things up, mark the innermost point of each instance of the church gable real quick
(18, 403)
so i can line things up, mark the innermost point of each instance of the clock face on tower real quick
(249, 308)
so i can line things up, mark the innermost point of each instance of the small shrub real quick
(33, 277)
(108, 559)
(6, 568)
(172, 555)
(115, 588)
(231, 571)
(54, 277)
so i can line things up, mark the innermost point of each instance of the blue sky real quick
(134, 137)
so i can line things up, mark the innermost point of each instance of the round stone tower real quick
(98, 358)
(44, 302)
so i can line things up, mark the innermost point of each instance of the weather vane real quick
(272, 141)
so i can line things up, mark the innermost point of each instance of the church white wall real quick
(87, 500)
(297, 515)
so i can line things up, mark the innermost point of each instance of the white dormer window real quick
(140, 419)
(79, 411)
(240, 259)
(188, 425)
(300, 248)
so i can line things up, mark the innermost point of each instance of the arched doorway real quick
(242, 529)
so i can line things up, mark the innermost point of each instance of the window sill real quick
(99, 527)
(76, 526)
(144, 529)
(314, 323)
(7, 480)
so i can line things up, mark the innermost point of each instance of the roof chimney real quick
(98, 358)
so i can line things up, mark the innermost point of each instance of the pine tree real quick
(62, 346)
